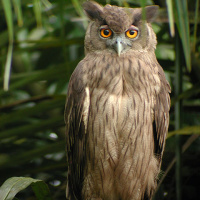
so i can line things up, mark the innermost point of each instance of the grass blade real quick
(195, 24)
(47, 4)
(18, 11)
(8, 67)
(8, 13)
(171, 17)
(182, 22)
(38, 12)
(190, 130)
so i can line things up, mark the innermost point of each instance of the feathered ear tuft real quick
(93, 10)
(151, 13)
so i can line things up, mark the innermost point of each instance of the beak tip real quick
(119, 48)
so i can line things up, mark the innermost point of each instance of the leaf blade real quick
(8, 13)
(16, 184)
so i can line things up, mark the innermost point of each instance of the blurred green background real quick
(41, 42)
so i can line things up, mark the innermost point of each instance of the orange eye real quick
(132, 33)
(105, 32)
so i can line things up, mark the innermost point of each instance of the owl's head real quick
(119, 30)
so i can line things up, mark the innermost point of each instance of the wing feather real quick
(161, 114)
(76, 117)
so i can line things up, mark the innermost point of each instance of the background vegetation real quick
(41, 42)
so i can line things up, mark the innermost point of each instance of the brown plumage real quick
(117, 108)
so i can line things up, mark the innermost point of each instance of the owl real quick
(117, 108)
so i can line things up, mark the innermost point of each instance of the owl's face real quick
(118, 42)
(119, 30)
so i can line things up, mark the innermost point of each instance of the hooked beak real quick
(118, 46)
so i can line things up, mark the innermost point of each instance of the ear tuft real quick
(151, 13)
(93, 10)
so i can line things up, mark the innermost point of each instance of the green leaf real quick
(171, 17)
(38, 12)
(80, 11)
(18, 11)
(182, 21)
(8, 13)
(185, 131)
(47, 4)
(16, 184)
(41, 190)
(78, 7)
(195, 24)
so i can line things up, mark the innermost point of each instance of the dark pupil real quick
(106, 32)
(132, 32)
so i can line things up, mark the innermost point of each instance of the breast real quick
(120, 136)
(122, 95)
(120, 126)
(117, 112)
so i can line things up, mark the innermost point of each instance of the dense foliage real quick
(42, 42)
